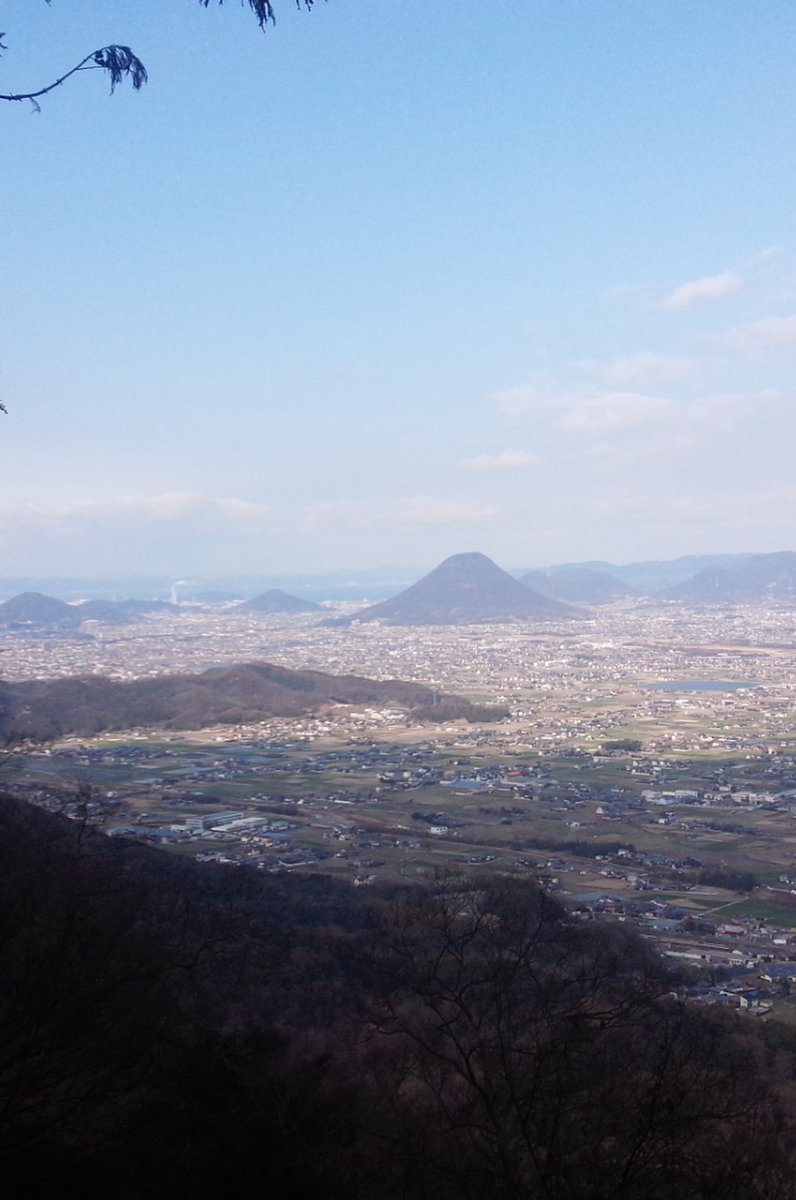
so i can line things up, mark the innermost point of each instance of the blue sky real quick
(397, 279)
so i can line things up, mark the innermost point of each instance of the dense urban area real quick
(645, 773)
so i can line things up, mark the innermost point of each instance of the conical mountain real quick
(277, 601)
(466, 589)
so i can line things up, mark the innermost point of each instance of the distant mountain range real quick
(466, 589)
(650, 577)
(696, 579)
(43, 709)
(756, 577)
(578, 585)
(469, 589)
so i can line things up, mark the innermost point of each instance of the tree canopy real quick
(181, 1030)
(121, 63)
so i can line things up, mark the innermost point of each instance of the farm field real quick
(402, 809)
(646, 769)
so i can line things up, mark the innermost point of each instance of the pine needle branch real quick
(118, 61)
(262, 9)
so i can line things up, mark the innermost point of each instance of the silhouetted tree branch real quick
(121, 63)
(262, 9)
(118, 61)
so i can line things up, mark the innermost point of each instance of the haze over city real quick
(393, 281)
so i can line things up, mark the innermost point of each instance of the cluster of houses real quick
(742, 963)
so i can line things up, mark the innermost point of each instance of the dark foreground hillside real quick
(169, 1029)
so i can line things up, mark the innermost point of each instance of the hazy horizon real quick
(345, 583)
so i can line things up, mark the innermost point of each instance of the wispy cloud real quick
(675, 430)
(517, 401)
(341, 514)
(336, 514)
(646, 369)
(722, 412)
(163, 508)
(709, 287)
(617, 411)
(769, 333)
(506, 460)
(244, 512)
(440, 510)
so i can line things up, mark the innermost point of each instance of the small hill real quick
(111, 612)
(277, 601)
(212, 595)
(43, 709)
(751, 579)
(34, 608)
(466, 589)
(578, 585)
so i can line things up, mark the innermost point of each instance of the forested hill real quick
(43, 709)
(185, 1031)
